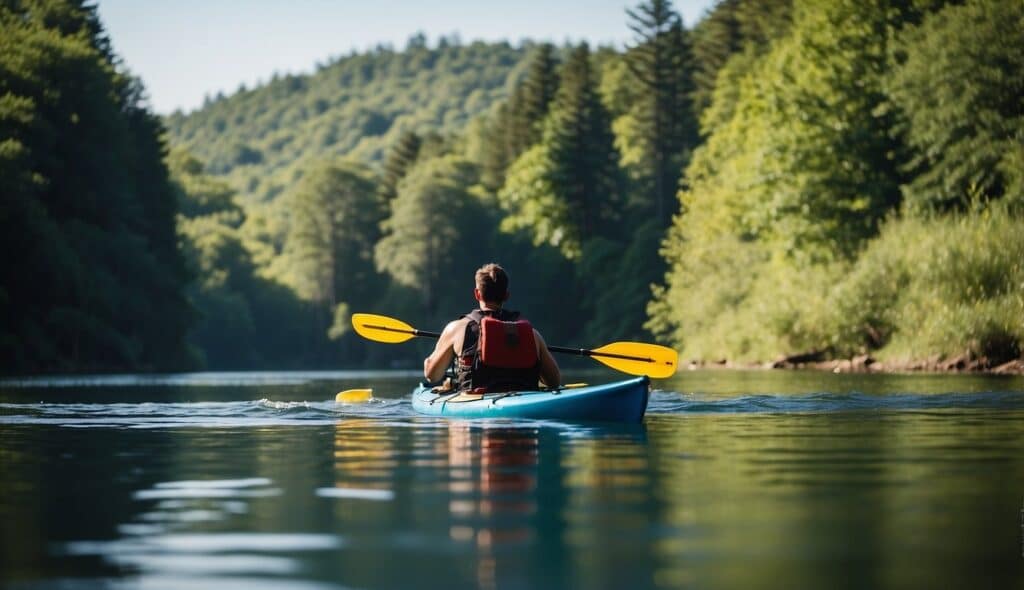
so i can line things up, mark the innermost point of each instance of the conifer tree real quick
(715, 39)
(517, 124)
(532, 100)
(400, 159)
(566, 189)
(661, 62)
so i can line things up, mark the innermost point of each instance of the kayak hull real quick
(621, 401)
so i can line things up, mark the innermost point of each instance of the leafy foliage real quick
(261, 139)
(427, 229)
(564, 189)
(334, 217)
(778, 249)
(245, 320)
(968, 298)
(93, 279)
(960, 86)
(855, 186)
(518, 122)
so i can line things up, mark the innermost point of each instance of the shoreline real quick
(959, 364)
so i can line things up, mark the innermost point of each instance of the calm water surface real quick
(735, 480)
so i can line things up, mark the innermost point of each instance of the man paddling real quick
(495, 350)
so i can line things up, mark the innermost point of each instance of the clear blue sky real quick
(186, 49)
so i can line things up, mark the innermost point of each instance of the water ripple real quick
(267, 412)
(663, 402)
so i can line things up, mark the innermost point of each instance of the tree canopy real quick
(92, 275)
(812, 177)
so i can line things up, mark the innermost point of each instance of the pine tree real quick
(532, 99)
(517, 124)
(400, 159)
(662, 64)
(715, 39)
(581, 146)
(566, 189)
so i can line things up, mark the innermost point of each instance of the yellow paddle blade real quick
(380, 328)
(354, 396)
(639, 358)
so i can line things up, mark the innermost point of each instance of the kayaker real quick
(494, 349)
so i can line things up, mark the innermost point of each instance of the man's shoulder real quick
(456, 324)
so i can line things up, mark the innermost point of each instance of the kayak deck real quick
(621, 401)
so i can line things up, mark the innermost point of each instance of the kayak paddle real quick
(634, 358)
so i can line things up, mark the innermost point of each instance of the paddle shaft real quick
(414, 331)
(562, 349)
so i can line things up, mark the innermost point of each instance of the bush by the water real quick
(925, 287)
(940, 286)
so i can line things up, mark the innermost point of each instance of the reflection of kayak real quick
(622, 401)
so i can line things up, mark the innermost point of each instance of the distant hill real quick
(356, 105)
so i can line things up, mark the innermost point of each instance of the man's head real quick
(491, 284)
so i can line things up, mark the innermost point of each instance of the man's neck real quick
(490, 306)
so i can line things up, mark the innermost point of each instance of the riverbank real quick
(963, 363)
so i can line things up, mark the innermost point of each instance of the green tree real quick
(400, 159)
(517, 124)
(99, 283)
(566, 189)
(530, 103)
(425, 234)
(715, 39)
(959, 85)
(661, 62)
(797, 174)
(328, 251)
(246, 320)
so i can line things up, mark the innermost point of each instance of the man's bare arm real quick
(435, 364)
(549, 372)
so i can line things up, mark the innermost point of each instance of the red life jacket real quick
(499, 353)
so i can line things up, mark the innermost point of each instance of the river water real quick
(734, 480)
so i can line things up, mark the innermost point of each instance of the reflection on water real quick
(868, 486)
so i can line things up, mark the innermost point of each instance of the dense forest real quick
(93, 277)
(859, 189)
(818, 178)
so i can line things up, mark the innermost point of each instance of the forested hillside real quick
(356, 106)
(822, 178)
(476, 153)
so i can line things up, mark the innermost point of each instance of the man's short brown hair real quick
(492, 282)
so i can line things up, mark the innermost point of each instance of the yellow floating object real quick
(354, 396)
(573, 385)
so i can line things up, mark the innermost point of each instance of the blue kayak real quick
(622, 401)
